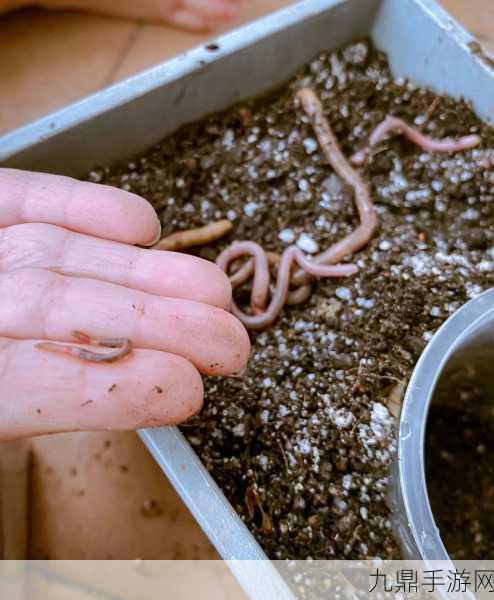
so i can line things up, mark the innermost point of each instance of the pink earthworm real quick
(182, 240)
(290, 255)
(245, 272)
(260, 285)
(323, 265)
(299, 295)
(367, 213)
(394, 124)
(123, 348)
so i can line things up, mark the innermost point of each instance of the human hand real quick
(195, 15)
(67, 263)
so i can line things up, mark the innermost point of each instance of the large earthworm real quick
(244, 273)
(260, 285)
(396, 125)
(123, 348)
(290, 255)
(323, 265)
(367, 214)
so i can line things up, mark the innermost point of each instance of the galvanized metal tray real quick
(422, 42)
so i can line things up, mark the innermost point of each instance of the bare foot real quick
(194, 15)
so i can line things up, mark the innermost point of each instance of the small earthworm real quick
(201, 236)
(123, 348)
(290, 255)
(394, 124)
(299, 295)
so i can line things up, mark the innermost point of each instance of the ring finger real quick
(41, 304)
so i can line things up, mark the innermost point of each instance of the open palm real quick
(68, 263)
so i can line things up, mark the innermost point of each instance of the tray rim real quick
(155, 77)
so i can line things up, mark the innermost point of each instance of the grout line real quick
(122, 57)
(486, 40)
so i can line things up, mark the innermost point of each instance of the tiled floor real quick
(46, 61)
(50, 59)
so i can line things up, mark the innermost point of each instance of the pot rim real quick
(413, 423)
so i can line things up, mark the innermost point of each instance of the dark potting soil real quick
(302, 443)
(459, 466)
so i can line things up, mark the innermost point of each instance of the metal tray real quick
(423, 43)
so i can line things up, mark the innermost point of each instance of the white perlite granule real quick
(250, 208)
(304, 447)
(343, 293)
(310, 145)
(347, 482)
(381, 421)
(306, 243)
(229, 138)
(287, 236)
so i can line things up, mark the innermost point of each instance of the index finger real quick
(98, 210)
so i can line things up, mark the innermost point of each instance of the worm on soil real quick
(293, 254)
(181, 240)
(396, 125)
(323, 265)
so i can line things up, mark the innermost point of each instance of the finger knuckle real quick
(21, 291)
(25, 245)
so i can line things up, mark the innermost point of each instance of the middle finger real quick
(154, 271)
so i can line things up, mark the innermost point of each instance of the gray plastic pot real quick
(467, 337)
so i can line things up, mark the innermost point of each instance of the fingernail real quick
(239, 374)
(227, 13)
(156, 239)
(189, 20)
